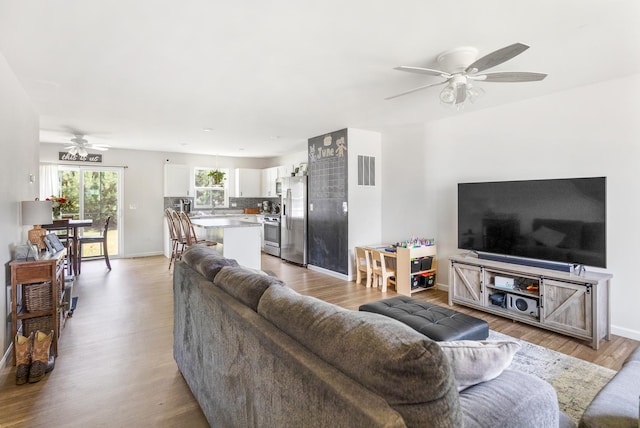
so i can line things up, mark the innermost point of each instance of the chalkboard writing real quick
(328, 209)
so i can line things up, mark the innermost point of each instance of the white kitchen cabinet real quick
(283, 171)
(269, 177)
(248, 183)
(177, 180)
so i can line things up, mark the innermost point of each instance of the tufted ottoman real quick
(435, 322)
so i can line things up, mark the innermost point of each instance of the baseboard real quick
(329, 272)
(443, 287)
(137, 255)
(625, 332)
(5, 364)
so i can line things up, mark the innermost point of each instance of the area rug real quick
(576, 381)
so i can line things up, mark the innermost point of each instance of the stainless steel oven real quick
(271, 230)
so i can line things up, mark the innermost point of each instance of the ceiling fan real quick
(80, 145)
(461, 70)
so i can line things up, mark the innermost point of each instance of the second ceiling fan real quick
(79, 146)
(461, 69)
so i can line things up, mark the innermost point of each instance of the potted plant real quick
(217, 176)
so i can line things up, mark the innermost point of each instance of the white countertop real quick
(222, 222)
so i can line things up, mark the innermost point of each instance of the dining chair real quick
(64, 234)
(384, 271)
(363, 265)
(95, 240)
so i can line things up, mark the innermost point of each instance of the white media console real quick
(573, 304)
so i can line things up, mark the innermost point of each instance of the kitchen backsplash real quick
(235, 204)
(242, 203)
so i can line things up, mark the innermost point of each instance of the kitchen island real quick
(237, 239)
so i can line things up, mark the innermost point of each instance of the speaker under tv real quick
(551, 223)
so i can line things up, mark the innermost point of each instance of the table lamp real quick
(37, 213)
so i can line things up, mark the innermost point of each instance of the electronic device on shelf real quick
(523, 305)
(504, 282)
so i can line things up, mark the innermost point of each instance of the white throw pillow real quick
(478, 361)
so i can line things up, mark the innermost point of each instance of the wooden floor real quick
(115, 364)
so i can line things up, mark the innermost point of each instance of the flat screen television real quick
(561, 221)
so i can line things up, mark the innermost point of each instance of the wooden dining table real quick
(73, 244)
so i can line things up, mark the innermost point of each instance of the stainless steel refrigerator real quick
(293, 220)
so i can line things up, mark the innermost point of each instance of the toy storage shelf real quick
(404, 274)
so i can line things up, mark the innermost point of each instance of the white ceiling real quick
(266, 75)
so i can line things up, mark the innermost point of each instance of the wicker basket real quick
(38, 297)
(44, 324)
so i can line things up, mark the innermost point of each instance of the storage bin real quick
(38, 297)
(427, 280)
(416, 265)
(425, 263)
(31, 325)
(415, 281)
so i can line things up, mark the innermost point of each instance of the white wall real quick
(365, 202)
(19, 144)
(588, 131)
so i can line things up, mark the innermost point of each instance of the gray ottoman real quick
(435, 322)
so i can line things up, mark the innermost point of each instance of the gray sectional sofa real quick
(257, 354)
(617, 404)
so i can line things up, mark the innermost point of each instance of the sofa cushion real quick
(616, 405)
(244, 284)
(474, 362)
(206, 260)
(406, 368)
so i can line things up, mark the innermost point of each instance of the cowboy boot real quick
(23, 347)
(42, 358)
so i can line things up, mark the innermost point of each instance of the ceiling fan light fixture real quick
(82, 152)
(473, 93)
(448, 95)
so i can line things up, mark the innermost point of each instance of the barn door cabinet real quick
(567, 303)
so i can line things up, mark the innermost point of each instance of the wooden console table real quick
(573, 304)
(48, 270)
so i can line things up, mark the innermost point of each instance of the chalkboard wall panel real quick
(328, 225)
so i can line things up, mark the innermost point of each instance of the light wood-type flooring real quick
(116, 369)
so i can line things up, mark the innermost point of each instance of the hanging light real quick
(458, 91)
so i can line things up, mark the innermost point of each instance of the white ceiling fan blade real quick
(510, 76)
(415, 90)
(98, 147)
(497, 57)
(421, 70)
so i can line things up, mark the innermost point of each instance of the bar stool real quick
(190, 231)
(176, 244)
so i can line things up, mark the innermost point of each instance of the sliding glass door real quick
(94, 193)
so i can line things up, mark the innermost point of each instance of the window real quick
(207, 194)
